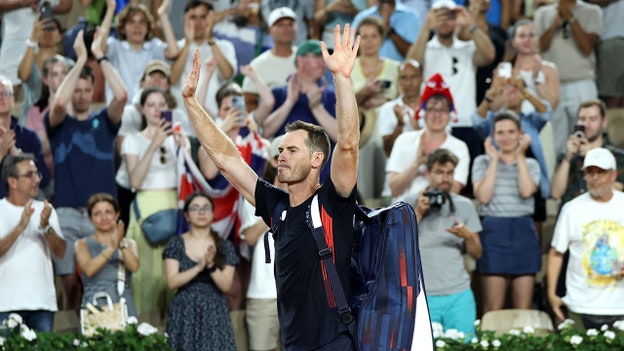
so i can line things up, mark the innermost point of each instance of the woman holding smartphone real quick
(150, 157)
(200, 265)
(504, 182)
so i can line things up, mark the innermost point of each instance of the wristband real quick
(488, 99)
(540, 79)
(390, 32)
(473, 28)
(31, 44)
(211, 42)
(103, 58)
(212, 269)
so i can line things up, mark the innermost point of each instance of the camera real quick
(437, 198)
(579, 131)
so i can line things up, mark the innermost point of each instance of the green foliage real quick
(135, 337)
(568, 338)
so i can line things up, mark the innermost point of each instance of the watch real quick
(123, 244)
(48, 230)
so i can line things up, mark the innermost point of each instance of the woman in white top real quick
(150, 157)
(540, 76)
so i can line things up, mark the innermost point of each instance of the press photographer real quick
(448, 228)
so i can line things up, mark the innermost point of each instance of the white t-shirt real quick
(273, 70)
(26, 274)
(161, 175)
(262, 282)
(404, 153)
(594, 233)
(457, 67)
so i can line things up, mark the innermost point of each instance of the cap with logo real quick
(279, 13)
(601, 158)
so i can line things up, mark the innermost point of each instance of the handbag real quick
(158, 227)
(111, 316)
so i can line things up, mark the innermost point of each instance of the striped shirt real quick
(506, 200)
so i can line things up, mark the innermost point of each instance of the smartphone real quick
(385, 84)
(579, 131)
(504, 69)
(238, 102)
(47, 12)
(167, 115)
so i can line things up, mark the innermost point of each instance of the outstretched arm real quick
(219, 146)
(340, 63)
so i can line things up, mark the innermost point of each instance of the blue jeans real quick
(38, 320)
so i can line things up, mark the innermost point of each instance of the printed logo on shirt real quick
(604, 252)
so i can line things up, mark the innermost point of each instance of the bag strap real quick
(137, 213)
(121, 276)
(279, 215)
(325, 254)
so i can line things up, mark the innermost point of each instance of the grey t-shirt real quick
(442, 252)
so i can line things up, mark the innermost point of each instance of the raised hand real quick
(7, 141)
(490, 150)
(463, 17)
(190, 85)
(26, 214)
(118, 234)
(523, 144)
(345, 51)
(293, 89)
(163, 9)
(46, 212)
(314, 94)
(96, 45)
(79, 46)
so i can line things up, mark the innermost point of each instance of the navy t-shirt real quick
(83, 158)
(301, 112)
(306, 319)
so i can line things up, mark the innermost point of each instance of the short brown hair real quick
(507, 115)
(130, 10)
(594, 102)
(101, 197)
(442, 157)
(317, 140)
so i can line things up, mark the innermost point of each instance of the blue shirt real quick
(405, 22)
(301, 112)
(28, 141)
(532, 124)
(83, 157)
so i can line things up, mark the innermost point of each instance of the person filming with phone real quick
(568, 181)
(448, 228)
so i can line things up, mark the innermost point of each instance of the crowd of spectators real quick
(481, 80)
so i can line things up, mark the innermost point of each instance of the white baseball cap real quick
(279, 13)
(443, 4)
(601, 158)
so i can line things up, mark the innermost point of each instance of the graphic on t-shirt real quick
(604, 241)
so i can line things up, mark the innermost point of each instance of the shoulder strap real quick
(279, 215)
(121, 276)
(137, 213)
(325, 255)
